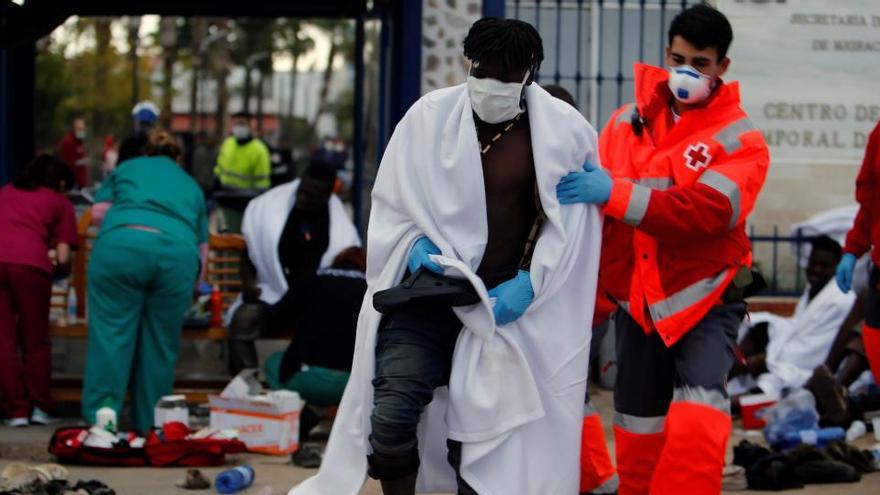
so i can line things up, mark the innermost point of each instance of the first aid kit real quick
(267, 423)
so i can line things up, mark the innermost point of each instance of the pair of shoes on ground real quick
(38, 417)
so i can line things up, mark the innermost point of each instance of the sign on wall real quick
(810, 74)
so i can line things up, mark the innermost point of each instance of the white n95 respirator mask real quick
(241, 131)
(688, 85)
(495, 101)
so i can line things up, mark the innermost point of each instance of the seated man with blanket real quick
(781, 352)
(483, 398)
(290, 231)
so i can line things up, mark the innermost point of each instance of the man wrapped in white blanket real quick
(495, 388)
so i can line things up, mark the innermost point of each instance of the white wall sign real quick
(810, 74)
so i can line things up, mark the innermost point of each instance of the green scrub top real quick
(156, 192)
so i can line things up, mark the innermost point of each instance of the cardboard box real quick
(266, 423)
(751, 405)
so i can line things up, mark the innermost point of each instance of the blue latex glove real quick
(420, 256)
(845, 272)
(512, 298)
(592, 186)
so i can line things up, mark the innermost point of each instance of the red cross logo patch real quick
(697, 156)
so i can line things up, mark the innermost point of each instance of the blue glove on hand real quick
(512, 298)
(592, 186)
(845, 272)
(420, 256)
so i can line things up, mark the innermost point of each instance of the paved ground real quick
(277, 475)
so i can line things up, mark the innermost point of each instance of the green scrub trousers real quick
(140, 284)
(316, 385)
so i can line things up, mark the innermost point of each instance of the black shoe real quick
(308, 456)
(402, 486)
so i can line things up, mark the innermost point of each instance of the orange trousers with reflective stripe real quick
(871, 330)
(693, 457)
(596, 467)
(684, 383)
(637, 457)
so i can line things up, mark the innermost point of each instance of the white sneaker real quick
(41, 417)
(17, 422)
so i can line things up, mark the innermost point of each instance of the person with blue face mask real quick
(682, 167)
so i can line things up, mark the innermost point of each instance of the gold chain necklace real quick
(485, 149)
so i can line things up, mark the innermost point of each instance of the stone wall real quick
(444, 26)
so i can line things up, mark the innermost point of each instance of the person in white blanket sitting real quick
(781, 353)
(483, 398)
(290, 232)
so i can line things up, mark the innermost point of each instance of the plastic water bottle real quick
(875, 452)
(856, 430)
(71, 307)
(819, 437)
(105, 418)
(234, 480)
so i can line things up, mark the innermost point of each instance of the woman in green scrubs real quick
(141, 277)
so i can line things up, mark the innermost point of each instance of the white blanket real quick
(801, 343)
(262, 226)
(516, 391)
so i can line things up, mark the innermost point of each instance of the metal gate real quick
(591, 45)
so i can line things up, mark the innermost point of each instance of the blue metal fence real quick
(590, 46)
(782, 270)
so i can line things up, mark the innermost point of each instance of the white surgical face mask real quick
(241, 131)
(495, 101)
(688, 85)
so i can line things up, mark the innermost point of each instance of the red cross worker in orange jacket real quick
(863, 237)
(683, 168)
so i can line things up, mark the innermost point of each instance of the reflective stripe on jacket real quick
(675, 222)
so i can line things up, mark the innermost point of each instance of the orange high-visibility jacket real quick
(865, 233)
(675, 222)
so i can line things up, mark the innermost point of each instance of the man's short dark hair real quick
(704, 27)
(320, 170)
(558, 91)
(241, 115)
(45, 171)
(513, 44)
(827, 244)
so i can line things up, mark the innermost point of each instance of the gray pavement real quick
(29, 445)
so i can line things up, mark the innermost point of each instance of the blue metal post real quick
(662, 32)
(407, 60)
(775, 285)
(557, 76)
(6, 154)
(598, 37)
(538, 27)
(382, 107)
(642, 31)
(578, 77)
(799, 239)
(493, 8)
(359, 141)
(620, 53)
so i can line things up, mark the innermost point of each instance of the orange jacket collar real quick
(653, 95)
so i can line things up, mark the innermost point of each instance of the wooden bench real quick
(224, 256)
(783, 306)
